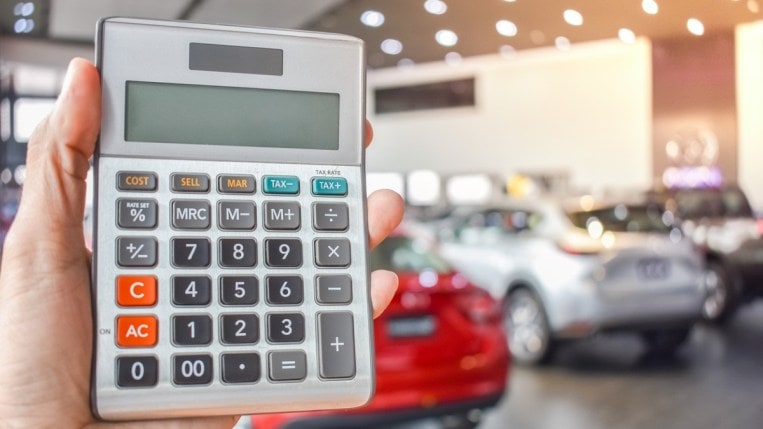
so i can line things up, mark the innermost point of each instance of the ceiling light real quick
(435, 7)
(573, 17)
(562, 43)
(695, 26)
(508, 51)
(650, 6)
(405, 64)
(453, 58)
(23, 26)
(446, 38)
(506, 28)
(391, 46)
(626, 35)
(753, 6)
(23, 9)
(372, 18)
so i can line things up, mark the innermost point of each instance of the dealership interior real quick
(583, 238)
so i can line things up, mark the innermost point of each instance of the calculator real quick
(230, 271)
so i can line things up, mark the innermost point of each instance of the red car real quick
(440, 348)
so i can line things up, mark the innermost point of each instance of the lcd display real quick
(228, 116)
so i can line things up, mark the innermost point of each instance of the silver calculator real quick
(230, 240)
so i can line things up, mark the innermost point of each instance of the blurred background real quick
(583, 188)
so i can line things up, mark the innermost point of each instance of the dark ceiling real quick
(539, 23)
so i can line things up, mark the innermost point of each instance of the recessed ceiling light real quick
(391, 46)
(695, 26)
(453, 58)
(435, 7)
(626, 35)
(446, 38)
(562, 43)
(753, 6)
(650, 6)
(405, 63)
(372, 18)
(573, 17)
(508, 51)
(506, 28)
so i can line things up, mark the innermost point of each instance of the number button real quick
(282, 216)
(286, 328)
(284, 290)
(241, 367)
(191, 290)
(238, 252)
(190, 214)
(190, 252)
(135, 213)
(191, 330)
(192, 369)
(332, 252)
(136, 251)
(136, 371)
(239, 290)
(239, 215)
(240, 328)
(331, 216)
(283, 253)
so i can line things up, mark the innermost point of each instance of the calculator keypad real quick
(243, 277)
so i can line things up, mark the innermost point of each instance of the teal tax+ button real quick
(329, 186)
(280, 184)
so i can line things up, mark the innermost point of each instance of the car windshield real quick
(699, 203)
(622, 218)
(403, 254)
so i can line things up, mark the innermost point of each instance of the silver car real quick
(568, 271)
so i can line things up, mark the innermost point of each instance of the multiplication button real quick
(136, 213)
(332, 252)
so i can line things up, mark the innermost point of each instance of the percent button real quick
(136, 213)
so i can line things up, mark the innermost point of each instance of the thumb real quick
(58, 155)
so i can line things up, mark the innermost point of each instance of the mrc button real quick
(136, 181)
(186, 182)
(235, 184)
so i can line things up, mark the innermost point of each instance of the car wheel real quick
(720, 296)
(458, 421)
(665, 342)
(527, 327)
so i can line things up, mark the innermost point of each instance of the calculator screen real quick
(231, 116)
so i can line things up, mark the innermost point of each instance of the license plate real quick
(411, 327)
(653, 269)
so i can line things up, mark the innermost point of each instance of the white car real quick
(565, 272)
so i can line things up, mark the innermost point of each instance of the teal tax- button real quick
(280, 184)
(329, 186)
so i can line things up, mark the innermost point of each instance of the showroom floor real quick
(716, 381)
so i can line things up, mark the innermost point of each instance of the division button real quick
(187, 182)
(239, 215)
(287, 366)
(330, 217)
(282, 215)
(280, 185)
(136, 371)
(136, 331)
(136, 181)
(136, 213)
(240, 184)
(136, 251)
(337, 345)
(241, 367)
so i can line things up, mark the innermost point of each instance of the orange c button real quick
(136, 291)
(136, 331)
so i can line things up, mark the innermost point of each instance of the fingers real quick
(385, 211)
(368, 133)
(383, 287)
(59, 150)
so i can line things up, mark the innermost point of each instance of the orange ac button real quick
(136, 331)
(136, 291)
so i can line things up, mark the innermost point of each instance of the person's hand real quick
(45, 315)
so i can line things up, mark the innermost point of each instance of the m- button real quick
(235, 184)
